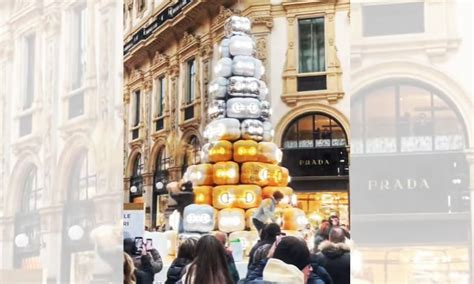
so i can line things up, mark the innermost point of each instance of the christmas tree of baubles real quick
(239, 164)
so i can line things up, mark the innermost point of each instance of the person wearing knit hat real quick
(292, 252)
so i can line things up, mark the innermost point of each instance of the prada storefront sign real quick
(168, 14)
(422, 183)
(316, 162)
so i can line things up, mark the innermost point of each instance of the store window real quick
(315, 151)
(312, 54)
(410, 117)
(27, 240)
(136, 181)
(385, 20)
(161, 169)
(192, 153)
(315, 130)
(78, 218)
(160, 180)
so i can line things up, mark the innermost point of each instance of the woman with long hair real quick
(210, 264)
(186, 253)
(128, 270)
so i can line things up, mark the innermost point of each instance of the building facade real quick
(60, 157)
(411, 149)
(170, 48)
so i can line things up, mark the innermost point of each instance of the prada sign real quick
(168, 14)
(316, 161)
(421, 183)
(398, 184)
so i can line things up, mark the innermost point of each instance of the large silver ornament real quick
(252, 129)
(224, 48)
(216, 109)
(247, 66)
(218, 88)
(223, 67)
(243, 86)
(266, 111)
(241, 45)
(223, 129)
(237, 25)
(243, 108)
(268, 131)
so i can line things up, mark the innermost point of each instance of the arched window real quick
(136, 180)
(27, 223)
(82, 181)
(405, 116)
(192, 153)
(314, 130)
(78, 214)
(32, 192)
(161, 169)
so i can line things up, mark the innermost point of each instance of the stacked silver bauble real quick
(237, 93)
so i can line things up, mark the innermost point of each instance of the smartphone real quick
(139, 244)
(149, 244)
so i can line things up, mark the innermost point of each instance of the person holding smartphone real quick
(137, 253)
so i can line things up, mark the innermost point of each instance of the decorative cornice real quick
(225, 13)
(189, 38)
(266, 20)
(174, 70)
(137, 75)
(206, 50)
(189, 125)
(160, 59)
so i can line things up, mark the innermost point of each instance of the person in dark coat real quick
(183, 198)
(186, 254)
(255, 271)
(319, 272)
(155, 258)
(145, 274)
(334, 256)
(321, 235)
(267, 236)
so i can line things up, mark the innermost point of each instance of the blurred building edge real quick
(412, 132)
(169, 54)
(61, 151)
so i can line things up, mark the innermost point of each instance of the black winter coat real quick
(255, 271)
(176, 270)
(336, 259)
(319, 272)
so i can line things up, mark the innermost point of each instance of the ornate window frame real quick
(302, 10)
(160, 69)
(190, 45)
(136, 82)
(439, 36)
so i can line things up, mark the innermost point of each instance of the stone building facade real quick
(170, 50)
(61, 151)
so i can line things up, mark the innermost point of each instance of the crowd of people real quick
(275, 258)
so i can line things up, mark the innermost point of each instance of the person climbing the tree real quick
(266, 211)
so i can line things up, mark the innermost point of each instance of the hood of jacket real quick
(333, 250)
(280, 272)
